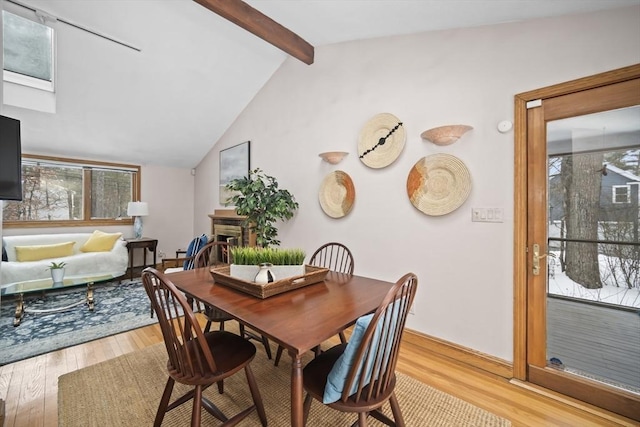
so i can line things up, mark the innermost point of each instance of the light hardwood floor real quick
(29, 387)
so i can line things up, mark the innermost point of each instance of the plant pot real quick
(284, 271)
(57, 274)
(248, 272)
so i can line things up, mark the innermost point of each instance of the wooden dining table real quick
(299, 319)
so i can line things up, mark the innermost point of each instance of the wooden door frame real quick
(521, 262)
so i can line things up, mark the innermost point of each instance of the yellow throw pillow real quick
(38, 252)
(100, 242)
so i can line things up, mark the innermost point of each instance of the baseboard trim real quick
(460, 353)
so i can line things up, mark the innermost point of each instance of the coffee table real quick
(20, 289)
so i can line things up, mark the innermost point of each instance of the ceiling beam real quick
(254, 21)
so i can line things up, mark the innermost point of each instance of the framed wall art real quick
(234, 163)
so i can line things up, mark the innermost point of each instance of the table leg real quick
(296, 390)
(90, 301)
(144, 260)
(130, 263)
(19, 310)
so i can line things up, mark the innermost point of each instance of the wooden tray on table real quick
(312, 275)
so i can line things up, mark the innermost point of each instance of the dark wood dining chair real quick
(336, 257)
(206, 255)
(210, 255)
(197, 358)
(184, 259)
(364, 378)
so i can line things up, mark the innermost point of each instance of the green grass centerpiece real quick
(284, 262)
(252, 255)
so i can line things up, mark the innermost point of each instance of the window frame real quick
(615, 196)
(30, 81)
(86, 197)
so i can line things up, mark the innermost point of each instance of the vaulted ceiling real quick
(168, 103)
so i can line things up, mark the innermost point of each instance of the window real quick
(70, 192)
(621, 193)
(28, 52)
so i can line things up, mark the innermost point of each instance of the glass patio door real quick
(584, 253)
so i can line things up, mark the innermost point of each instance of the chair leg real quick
(395, 409)
(278, 355)
(197, 407)
(378, 415)
(362, 419)
(306, 408)
(164, 402)
(343, 339)
(255, 394)
(251, 335)
(221, 386)
(213, 410)
(207, 327)
(267, 347)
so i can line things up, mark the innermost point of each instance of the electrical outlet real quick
(411, 309)
(161, 254)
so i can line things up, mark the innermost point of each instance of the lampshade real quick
(137, 209)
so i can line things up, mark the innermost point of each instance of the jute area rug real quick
(125, 391)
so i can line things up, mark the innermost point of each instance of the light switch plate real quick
(487, 214)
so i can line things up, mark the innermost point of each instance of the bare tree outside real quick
(111, 191)
(56, 193)
(581, 177)
(583, 208)
(49, 193)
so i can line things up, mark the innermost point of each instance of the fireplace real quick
(227, 226)
(231, 234)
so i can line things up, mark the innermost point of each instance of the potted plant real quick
(57, 271)
(258, 197)
(282, 263)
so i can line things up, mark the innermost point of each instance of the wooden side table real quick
(144, 243)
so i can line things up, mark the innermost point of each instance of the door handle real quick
(536, 259)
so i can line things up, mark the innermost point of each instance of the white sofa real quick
(112, 263)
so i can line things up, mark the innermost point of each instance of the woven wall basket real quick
(438, 184)
(337, 194)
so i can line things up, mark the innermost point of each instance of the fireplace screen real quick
(231, 234)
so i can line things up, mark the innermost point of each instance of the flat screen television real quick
(10, 159)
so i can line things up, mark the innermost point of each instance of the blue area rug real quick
(118, 308)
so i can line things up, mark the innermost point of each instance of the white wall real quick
(169, 192)
(467, 76)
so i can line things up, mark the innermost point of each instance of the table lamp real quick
(137, 210)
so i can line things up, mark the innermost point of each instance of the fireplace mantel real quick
(226, 214)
